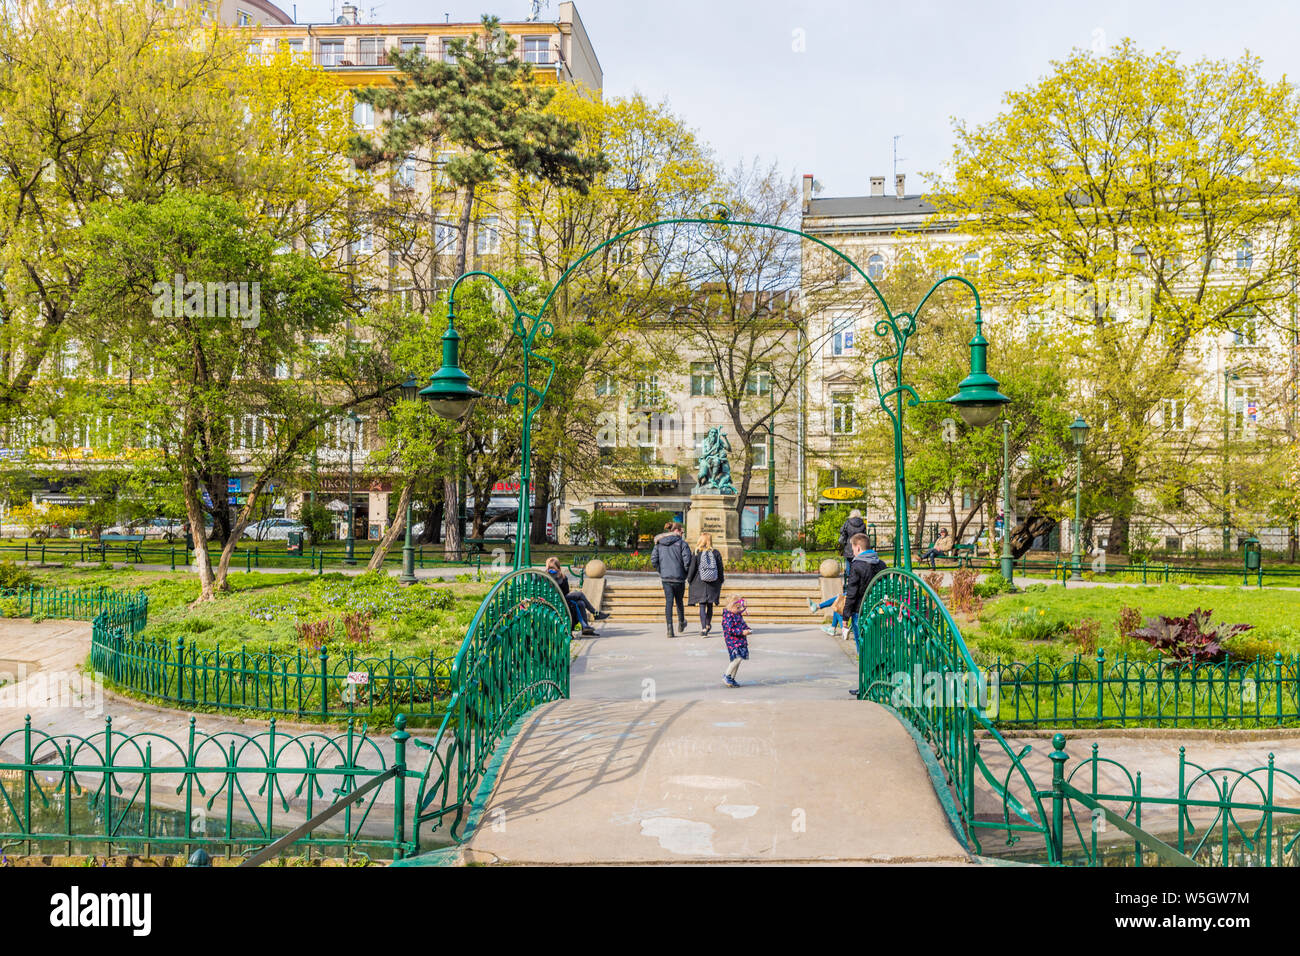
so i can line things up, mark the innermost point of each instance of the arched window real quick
(876, 266)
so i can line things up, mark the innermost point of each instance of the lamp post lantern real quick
(1008, 563)
(1079, 433)
(410, 393)
(353, 421)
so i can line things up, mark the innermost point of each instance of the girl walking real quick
(705, 580)
(736, 632)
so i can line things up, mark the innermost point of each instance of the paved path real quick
(655, 760)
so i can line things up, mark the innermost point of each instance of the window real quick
(293, 46)
(405, 174)
(876, 266)
(970, 265)
(842, 328)
(486, 238)
(448, 55)
(363, 115)
(412, 45)
(647, 391)
(1173, 544)
(842, 422)
(702, 378)
(1174, 413)
(537, 49)
(527, 234)
(759, 449)
(1245, 255)
(330, 52)
(243, 19)
(967, 499)
(371, 51)
(365, 243)
(321, 244)
(1245, 410)
(759, 382)
(254, 47)
(1139, 255)
(605, 385)
(1247, 331)
(444, 237)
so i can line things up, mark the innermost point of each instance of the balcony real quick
(338, 59)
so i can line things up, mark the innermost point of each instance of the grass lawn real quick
(1007, 625)
(262, 611)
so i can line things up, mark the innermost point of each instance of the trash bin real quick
(295, 543)
(1251, 556)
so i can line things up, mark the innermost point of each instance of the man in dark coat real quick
(866, 564)
(671, 557)
(853, 524)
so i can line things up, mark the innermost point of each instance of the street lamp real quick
(1078, 432)
(410, 393)
(351, 438)
(977, 400)
(1008, 563)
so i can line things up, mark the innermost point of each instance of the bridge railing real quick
(913, 659)
(225, 791)
(514, 657)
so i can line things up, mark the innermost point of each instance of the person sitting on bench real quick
(579, 605)
(940, 549)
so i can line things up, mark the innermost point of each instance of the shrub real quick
(1084, 635)
(963, 590)
(1130, 619)
(1031, 625)
(1191, 639)
(934, 579)
(1244, 647)
(11, 607)
(13, 576)
(357, 627)
(992, 585)
(314, 633)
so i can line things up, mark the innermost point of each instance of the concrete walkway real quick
(655, 760)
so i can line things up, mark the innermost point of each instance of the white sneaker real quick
(829, 629)
(812, 606)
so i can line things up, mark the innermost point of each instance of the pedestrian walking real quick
(671, 557)
(705, 580)
(736, 633)
(852, 525)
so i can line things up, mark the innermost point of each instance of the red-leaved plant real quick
(1192, 639)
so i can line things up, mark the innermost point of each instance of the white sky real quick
(869, 71)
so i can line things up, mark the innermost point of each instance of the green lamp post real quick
(1079, 433)
(1228, 376)
(410, 393)
(1008, 563)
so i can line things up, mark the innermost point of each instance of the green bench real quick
(129, 543)
(480, 545)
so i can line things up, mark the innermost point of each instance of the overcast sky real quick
(823, 87)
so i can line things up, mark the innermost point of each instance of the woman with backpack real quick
(705, 579)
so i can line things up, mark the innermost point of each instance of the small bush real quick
(357, 627)
(992, 585)
(11, 607)
(963, 591)
(934, 579)
(1031, 625)
(1084, 635)
(1191, 639)
(14, 576)
(1249, 647)
(314, 633)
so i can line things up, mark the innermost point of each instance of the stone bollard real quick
(593, 582)
(832, 577)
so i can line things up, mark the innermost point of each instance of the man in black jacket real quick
(853, 524)
(866, 564)
(671, 557)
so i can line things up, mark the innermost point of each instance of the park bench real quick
(129, 543)
(484, 545)
(964, 554)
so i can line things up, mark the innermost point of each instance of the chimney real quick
(350, 13)
(807, 191)
(877, 185)
(899, 179)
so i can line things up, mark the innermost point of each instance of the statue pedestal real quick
(716, 515)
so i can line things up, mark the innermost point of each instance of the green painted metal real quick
(515, 656)
(136, 793)
(912, 657)
(1125, 692)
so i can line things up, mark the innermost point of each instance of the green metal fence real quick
(129, 610)
(1217, 816)
(229, 791)
(1145, 693)
(912, 658)
(515, 656)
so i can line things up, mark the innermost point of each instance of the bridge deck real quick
(786, 768)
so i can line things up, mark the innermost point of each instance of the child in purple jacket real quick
(736, 634)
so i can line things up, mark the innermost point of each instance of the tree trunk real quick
(462, 231)
(451, 543)
(920, 525)
(1030, 527)
(541, 498)
(1117, 542)
(198, 530)
(398, 526)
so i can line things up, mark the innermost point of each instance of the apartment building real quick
(1246, 376)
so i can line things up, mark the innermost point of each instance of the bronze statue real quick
(714, 475)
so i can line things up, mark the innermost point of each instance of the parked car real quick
(168, 529)
(273, 529)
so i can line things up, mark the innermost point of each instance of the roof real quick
(917, 205)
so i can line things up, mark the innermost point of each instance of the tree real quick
(211, 371)
(486, 106)
(1110, 194)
